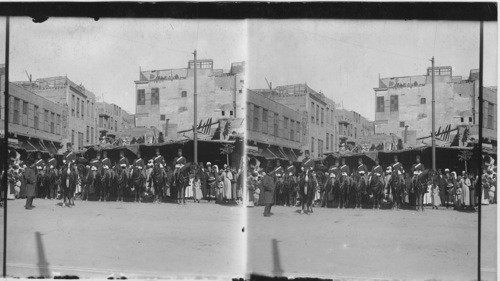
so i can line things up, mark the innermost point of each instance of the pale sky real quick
(105, 55)
(342, 58)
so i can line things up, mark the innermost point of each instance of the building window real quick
(292, 131)
(78, 108)
(72, 136)
(155, 96)
(141, 97)
(46, 121)
(35, 117)
(116, 126)
(184, 94)
(80, 140)
(285, 123)
(83, 109)
(162, 117)
(91, 134)
(264, 115)
(298, 132)
(422, 100)
(394, 103)
(312, 146)
(402, 124)
(101, 122)
(52, 122)
(320, 148)
(331, 142)
(380, 104)
(490, 115)
(88, 108)
(223, 113)
(256, 114)
(25, 108)
(327, 140)
(73, 102)
(317, 114)
(461, 119)
(16, 111)
(470, 119)
(230, 113)
(58, 124)
(276, 125)
(322, 116)
(312, 112)
(92, 110)
(332, 116)
(88, 134)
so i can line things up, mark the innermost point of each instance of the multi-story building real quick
(165, 97)
(352, 126)
(112, 118)
(36, 122)
(274, 129)
(403, 105)
(318, 125)
(81, 117)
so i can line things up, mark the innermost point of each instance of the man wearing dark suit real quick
(268, 186)
(30, 177)
(203, 179)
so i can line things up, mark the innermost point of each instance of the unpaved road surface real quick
(96, 239)
(366, 244)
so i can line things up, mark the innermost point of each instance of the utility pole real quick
(479, 149)
(195, 129)
(433, 120)
(6, 148)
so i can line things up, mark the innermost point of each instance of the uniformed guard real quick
(377, 171)
(179, 162)
(70, 156)
(397, 167)
(278, 171)
(307, 163)
(52, 163)
(40, 163)
(334, 170)
(95, 164)
(417, 169)
(362, 170)
(158, 159)
(139, 162)
(344, 169)
(291, 170)
(106, 163)
(123, 161)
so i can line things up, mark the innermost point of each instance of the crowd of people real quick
(100, 179)
(447, 189)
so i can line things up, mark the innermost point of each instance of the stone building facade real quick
(274, 129)
(36, 122)
(318, 126)
(403, 105)
(165, 97)
(80, 104)
(112, 118)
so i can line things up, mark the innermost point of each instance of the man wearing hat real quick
(123, 162)
(30, 177)
(179, 162)
(139, 162)
(334, 171)
(362, 170)
(268, 186)
(345, 171)
(417, 169)
(158, 159)
(377, 171)
(52, 173)
(307, 163)
(40, 164)
(70, 156)
(105, 162)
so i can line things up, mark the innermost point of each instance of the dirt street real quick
(359, 244)
(137, 239)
